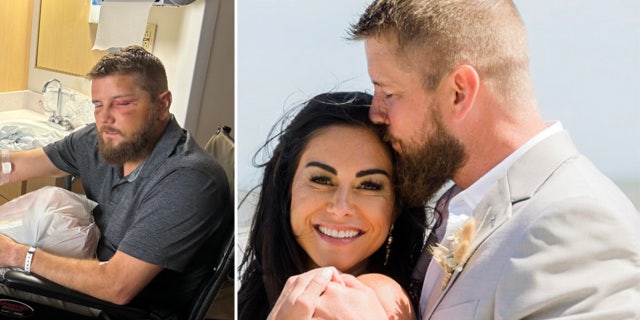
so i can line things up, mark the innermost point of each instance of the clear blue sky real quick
(585, 61)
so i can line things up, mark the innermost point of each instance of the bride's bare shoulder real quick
(394, 299)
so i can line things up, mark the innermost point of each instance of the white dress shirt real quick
(462, 205)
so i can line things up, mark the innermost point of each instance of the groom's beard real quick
(423, 169)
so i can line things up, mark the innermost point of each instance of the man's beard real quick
(422, 170)
(139, 145)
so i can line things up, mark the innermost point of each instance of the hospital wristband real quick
(6, 167)
(29, 259)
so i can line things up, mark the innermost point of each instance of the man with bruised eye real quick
(161, 198)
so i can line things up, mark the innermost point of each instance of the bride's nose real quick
(341, 204)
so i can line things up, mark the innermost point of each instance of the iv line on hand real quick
(6, 167)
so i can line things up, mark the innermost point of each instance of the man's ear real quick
(465, 82)
(164, 102)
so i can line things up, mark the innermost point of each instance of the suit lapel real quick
(519, 184)
(490, 215)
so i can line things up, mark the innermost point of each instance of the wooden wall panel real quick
(15, 41)
(65, 37)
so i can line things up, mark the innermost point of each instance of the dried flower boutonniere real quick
(452, 260)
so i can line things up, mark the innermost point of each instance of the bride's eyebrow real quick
(332, 170)
(322, 166)
(370, 172)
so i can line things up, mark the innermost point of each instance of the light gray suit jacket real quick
(556, 240)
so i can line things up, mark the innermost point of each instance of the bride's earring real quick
(389, 242)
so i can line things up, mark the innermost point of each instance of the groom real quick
(553, 236)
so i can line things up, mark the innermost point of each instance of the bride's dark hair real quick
(272, 253)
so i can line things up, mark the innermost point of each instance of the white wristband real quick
(6, 167)
(29, 259)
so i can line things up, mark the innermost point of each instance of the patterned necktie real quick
(420, 269)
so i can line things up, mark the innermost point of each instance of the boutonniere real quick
(453, 259)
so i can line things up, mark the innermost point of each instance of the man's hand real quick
(117, 281)
(8, 252)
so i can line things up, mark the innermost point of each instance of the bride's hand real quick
(301, 293)
(350, 301)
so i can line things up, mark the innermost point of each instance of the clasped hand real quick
(325, 293)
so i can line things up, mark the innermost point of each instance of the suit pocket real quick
(462, 311)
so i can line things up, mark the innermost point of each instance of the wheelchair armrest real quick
(34, 284)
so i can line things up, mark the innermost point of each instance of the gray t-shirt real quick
(166, 212)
